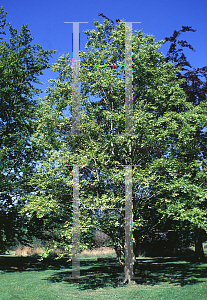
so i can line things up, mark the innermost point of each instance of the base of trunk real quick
(128, 277)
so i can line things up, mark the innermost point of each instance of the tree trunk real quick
(128, 269)
(129, 274)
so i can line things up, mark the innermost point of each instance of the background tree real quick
(163, 121)
(195, 88)
(21, 62)
(174, 233)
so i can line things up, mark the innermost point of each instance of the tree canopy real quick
(165, 151)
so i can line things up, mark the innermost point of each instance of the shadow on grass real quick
(30, 263)
(103, 272)
(173, 270)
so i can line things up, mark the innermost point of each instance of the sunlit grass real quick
(160, 278)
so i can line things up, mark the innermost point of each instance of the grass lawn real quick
(160, 278)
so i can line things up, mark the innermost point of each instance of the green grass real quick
(160, 278)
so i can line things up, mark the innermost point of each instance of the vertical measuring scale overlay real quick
(128, 79)
(128, 223)
(76, 225)
(75, 76)
(129, 255)
(76, 131)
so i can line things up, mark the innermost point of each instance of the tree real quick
(21, 62)
(185, 231)
(195, 88)
(163, 121)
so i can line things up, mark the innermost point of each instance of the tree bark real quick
(128, 274)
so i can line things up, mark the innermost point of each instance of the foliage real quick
(170, 234)
(168, 170)
(21, 62)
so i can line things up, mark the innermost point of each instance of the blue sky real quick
(159, 17)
